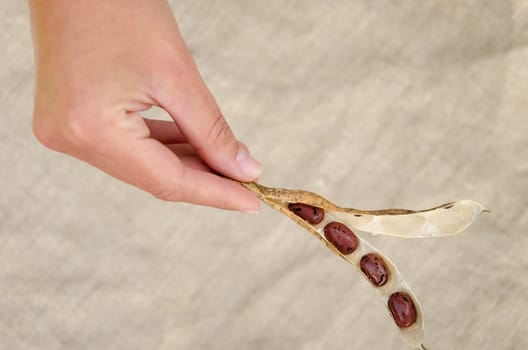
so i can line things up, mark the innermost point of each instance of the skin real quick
(100, 63)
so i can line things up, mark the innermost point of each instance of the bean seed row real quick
(372, 264)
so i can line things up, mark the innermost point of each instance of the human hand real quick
(99, 63)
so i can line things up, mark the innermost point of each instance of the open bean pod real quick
(443, 220)
(333, 226)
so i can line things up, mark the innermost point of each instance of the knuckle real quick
(220, 134)
(65, 130)
(80, 130)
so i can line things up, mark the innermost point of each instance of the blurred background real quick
(372, 104)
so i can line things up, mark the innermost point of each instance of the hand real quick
(101, 62)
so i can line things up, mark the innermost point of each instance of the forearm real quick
(85, 31)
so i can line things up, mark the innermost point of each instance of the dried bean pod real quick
(443, 220)
(438, 221)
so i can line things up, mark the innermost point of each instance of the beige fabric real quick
(372, 104)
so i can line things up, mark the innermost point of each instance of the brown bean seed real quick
(311, 214)
(374, 268)
(341, 237)
(402, 309)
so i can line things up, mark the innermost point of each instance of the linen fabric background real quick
(372, 104)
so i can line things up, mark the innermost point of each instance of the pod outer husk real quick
(444, 220)
(412, 335)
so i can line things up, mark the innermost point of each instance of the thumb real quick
(216, 144)
(197, 115)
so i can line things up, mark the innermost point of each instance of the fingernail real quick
(247, 164)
